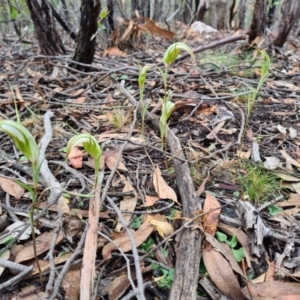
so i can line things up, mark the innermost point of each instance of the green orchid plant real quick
(142, 81)
(25, 142)
(91, 146)
(170, 56)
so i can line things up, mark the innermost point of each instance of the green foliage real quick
(119, 118)
(22, 139)
(25, 142)
(164, 281)
(103, 14)
(167, 106)
(166, 111)
(90, 145)
(147, 245)
(136, 223)
(259, 184)
(142, 81)
(13, 13)
(274, 210)
(264, 74)
(173, 51)
(239, 253)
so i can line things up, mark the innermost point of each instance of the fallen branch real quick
(187, 267)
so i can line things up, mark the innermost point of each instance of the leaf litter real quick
(144, 184)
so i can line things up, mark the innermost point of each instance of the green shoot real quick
(91, 146)
(171, 54)
(166, 111)
(142, 81)
(239, 253)
(25, 142)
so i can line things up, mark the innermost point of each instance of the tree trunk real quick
(201, 9)
(46, 34)
(258, 23)
(218, 14)
(110, 17)
(290, 14)
(85, 48)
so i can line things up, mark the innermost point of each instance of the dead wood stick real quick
(187, 266)
(208, 46)
(212, 45)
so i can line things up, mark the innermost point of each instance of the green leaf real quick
(7, 240)
(147, 245)
(88, 142)
(238, 254)
(221, 237)
(22, 139)
(137, 222)
(233, 242)
(13, 13)
(274, 210)
(142, 76)
(103, 13)
(173, 51)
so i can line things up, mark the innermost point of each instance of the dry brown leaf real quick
(103, 137)
(276, 290)
(4, 256)
(294, 200)
(11, 188)
(163, 228)
(74, 211)
(114, 51)
(124, 242)
(43, 243)
(244, 154)
(154, 30)
(150, 200)
(34, 74)
(80, 100)
(70, 284)
(222, 275)
(211, 220)
(127, 204)
(289, 159)
(30, 292)
(296, 187)
(110, 158)
(225, 250)
(270, 274)
(45, 264)
(75, 157)
(120, 282)
(286, 176)
(162, 189)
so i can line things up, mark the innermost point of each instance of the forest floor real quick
(239, 141)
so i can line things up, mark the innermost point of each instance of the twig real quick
(27, 224)
(68, 264)
(90, 246)
(147, 212)
(48, 178)
(140, 289)
(53, 270)
(124, 255)
(15, 279)
(269, 203)
(133, 293)
(211, 46)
